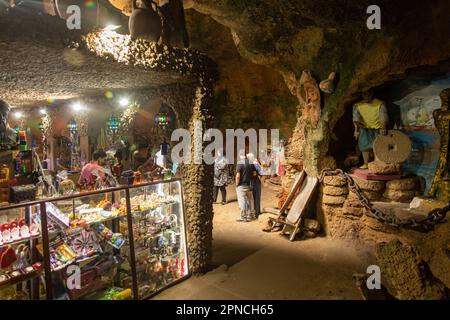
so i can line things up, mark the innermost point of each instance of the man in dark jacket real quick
(245, 171)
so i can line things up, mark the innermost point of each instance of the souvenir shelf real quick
(124, 243)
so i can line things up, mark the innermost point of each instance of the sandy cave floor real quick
(251, 264)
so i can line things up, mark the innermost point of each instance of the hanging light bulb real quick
(124, 102)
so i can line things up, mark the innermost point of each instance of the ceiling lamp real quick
(113, 124)
(162, 120)
(72, 126)
(124, 102)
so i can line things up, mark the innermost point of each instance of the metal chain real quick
(426, 224)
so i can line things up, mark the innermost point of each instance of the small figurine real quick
(328, 85)
(370, 118)
(442, 176)
(310, 98)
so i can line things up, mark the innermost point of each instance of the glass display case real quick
(21, 268)
(158, 236)
(120, 243)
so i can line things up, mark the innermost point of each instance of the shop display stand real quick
(31, 279)
(182, 204)
(142, 284)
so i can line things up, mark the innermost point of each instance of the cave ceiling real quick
(40, 60)
(288, 36)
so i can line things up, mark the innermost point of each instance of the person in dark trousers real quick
(220, 177)
(164, 149)
(255, 183)
(245, 171)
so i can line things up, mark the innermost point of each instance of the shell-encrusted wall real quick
(191, 101)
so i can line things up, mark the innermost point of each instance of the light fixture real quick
(72, 126)
(111, 27)
(113, 124)
(124, 102)
(162, 120)
(43, 111)
(18, 115)
(77, 107)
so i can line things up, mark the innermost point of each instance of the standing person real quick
(370, 119)
(244, 172)
(255, 184)
(88, 173)
(220, 177)
(164, 149)
(140, 156)
(159, 159)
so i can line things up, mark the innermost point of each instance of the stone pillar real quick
(189, 108)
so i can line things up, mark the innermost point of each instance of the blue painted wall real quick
(416, 110)
(424, 156)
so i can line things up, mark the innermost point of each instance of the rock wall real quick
(247, 95)
(191, 105)
(411, 277)
(322, 36)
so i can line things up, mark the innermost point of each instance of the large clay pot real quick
(145, 23)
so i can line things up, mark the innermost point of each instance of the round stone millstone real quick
(335, 191)
(371, 195)
(369, 185)
(399, 196)
(403, 184)
(394, 147)
(380, 167)
(335, 181)
(333, 200)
